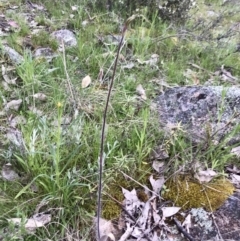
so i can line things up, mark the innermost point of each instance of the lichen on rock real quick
(202, 111)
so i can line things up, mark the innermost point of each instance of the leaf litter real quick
(143, 220)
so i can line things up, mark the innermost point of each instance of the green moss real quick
(188, 193)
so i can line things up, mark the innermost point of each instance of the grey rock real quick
(45, 53)
(8, 173)
(65, 36)
(202, 111)
(14, 56)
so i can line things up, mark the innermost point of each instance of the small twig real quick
(200, 68)
(67, 77)
(182, 230)
(219, 233)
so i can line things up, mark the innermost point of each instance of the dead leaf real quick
(159, 153)
(158, 166)
(100, 75)
(37, 221)
(107, 229)
(205, 175)
(6, 77)
(84, 23)
(8, 173)
(227, 75)
(152, 61)
(155, 211)
(13, 105)
(236, 151)
(35, 111)
(233, 169)
(36, 6)
(40, 96)
(16, 138)
(235, 177)
(74, 8)
(169, 211)
(192, 75)
(174, 40)
(156, 184)
(128, 66)
(86, 81)
(14, 122)
(13, 24)
(131, 201)
(187, 224)
(140, 91)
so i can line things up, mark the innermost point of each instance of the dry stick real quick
(103, 128)
(182, 230)
(66, 73)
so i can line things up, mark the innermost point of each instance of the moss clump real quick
(188, 193)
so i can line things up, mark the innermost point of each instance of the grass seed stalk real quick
(101, 156)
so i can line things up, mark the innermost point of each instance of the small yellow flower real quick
(59, 104)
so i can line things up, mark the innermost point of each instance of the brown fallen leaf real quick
(40, 96)
(205, 175)
(13, 105)
(169, 211)
(86, 81)
(140, 91)
(37, 221)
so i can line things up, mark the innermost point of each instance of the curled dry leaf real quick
(74, 8)
(205, 175)
(159, 153)
(128, 66)
(152, 61)
(37, 221)
(17, 121)
(100, 75)
(187, 224)
(13, 105)
(158, 166)
(235, 178)
(35, 111)
(16, 138)
(169, 211)
(86, 81)
(107, 229)
(131, 200)
(40, 96)
(6, 77)
(156, 184)
(140, 91)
